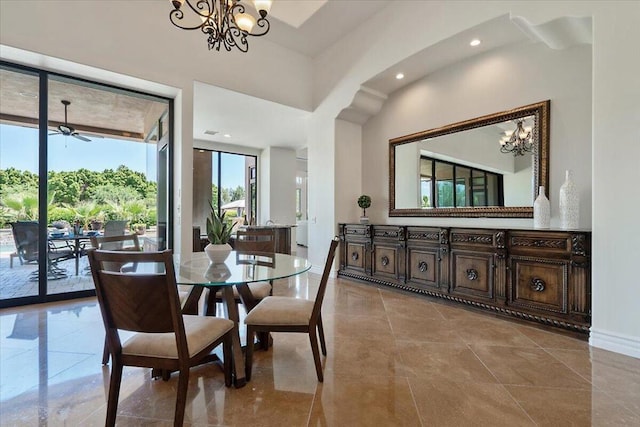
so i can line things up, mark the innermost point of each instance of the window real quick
(229, 182)
(447, 185)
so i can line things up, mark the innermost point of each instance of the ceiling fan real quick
(66, 129)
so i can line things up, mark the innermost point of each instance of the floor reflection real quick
(393, 359)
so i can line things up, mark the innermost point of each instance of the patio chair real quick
(164, 339)
(26, 239)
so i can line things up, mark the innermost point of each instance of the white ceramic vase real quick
(541, 210)
(217, 254)
(569, 204)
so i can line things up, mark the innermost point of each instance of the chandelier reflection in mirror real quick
(519, 143)
(226, 23)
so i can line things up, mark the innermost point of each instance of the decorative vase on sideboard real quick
(569, 204)
(541, 210)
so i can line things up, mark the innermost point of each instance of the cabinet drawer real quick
(385, 260)
(538, 284)
(472, 274)
(422, 267)
(355, 255)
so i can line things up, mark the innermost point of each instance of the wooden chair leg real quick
(249, 353)
(316, 353)
(114, 393)
(323, 344)
(228, 359)
(105, 352)
(181, 399)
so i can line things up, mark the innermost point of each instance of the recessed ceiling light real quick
(399, 76)
(29, 94)
(210, 132)
(226, 135)
(474, 42)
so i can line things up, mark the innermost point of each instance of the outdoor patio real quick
(15, 283)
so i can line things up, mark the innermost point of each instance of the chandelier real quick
(519, 142)
(224, 22)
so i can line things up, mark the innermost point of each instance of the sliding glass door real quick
(78, 159)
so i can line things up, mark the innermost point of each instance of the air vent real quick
(210, 132)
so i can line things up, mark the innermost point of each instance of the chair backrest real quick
(125, 242)
(255, 241)
(25, 237)
(114, 228)
(128, 242)
(140, 302)
(317, 306)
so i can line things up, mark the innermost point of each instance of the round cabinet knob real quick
(384, 260)
(472, 274)
(422, 266)
(537, 284)
(355, 256)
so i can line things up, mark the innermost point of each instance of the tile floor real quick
(393, 359)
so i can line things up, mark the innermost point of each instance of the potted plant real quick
(139, 228)
(218, 233)
(364, 202)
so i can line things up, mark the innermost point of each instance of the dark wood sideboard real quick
(538, 275)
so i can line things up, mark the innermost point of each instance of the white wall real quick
(348, 158)
(488, 84)
(277, 186)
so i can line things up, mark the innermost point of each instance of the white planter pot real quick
(217, 253)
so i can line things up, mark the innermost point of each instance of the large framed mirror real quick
(490, 166)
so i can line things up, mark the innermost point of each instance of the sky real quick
(19, 149)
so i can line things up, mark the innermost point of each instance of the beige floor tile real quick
(528, 366)
(442, 360)
(500, 333)
(362, 357)
(445, 403)
(548, 339)
(554, 407)
(393, 359)
(408, 328)
(366, 400)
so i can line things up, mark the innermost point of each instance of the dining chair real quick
(288, 314)
(147, 304)
(127, 242)
(27, 241)
(259, 242)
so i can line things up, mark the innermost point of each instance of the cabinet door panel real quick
(422, 267)
(355, 255)
(384, 260)
(472, 274)
(539, 285)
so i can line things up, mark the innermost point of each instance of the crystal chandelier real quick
(226, 23)
(519, 142)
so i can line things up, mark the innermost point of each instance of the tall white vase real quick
(569, 204)
(541, 210)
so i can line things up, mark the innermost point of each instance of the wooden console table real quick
(538, 275)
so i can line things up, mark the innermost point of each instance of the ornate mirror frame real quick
(540, 163)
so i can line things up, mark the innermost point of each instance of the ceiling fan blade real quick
(54, 133)
(80, 137)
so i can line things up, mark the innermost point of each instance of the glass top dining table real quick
(196, 269)
(238, 270)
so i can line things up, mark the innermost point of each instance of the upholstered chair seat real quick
(199, 330)
(276, 310)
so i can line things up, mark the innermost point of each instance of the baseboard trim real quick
(618, 343)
